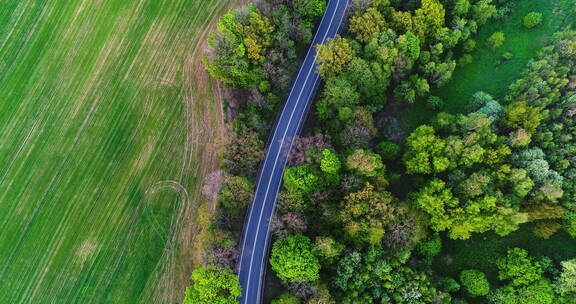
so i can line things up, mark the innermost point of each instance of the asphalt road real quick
(256, 237)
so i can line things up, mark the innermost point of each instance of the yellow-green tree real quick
(428, 19)
(333, 56)
(367, 24)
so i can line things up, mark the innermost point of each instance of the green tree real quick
(330, 163)
(496, 40)
(368, 78)
(309, 8)
(293, 260)
(521, 115)
(228, 63)
(518, 267)
(566, 284)
(338, 94)
(286, 298)
(375, 276)
(388, 150)
(475, 282)
(409, 44)
(540, 292)
(236, 194)
(213, 285)
(434, 103)
(333, 56)
(239, 48)
(257, 34)
(469, 45)
(532, 19)
(428, 19)
(301, 179)
(365, 162)
(430, 248)
(482, 10)
(462, 7)
(366, 213)
(327, 249)
(426, 152)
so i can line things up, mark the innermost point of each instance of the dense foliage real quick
(213, 285)
(367, 202)
(293, 260)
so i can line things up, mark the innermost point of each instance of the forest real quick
(473, 202)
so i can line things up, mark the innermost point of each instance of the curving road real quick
(255, 241)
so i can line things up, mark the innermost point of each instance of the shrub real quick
(475, 282)
(532, 20)
(496, 40)
(507, 56)
(434, 103)
(546, 229)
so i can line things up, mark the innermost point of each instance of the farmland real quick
(107, 127)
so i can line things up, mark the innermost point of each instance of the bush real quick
(507, 56)
(496, 40)
(475, 282)
(434, 103)
(532, 20)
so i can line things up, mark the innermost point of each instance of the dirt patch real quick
(206, 132)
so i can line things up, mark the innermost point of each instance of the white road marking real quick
(285, 161)
(279, 153)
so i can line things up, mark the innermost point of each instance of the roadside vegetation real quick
(411, 164)
(254, 54)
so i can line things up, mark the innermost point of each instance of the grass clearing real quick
(480, 252)
(108, 125)
(487, 72)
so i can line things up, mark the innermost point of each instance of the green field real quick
(487, 72)
(107, 125)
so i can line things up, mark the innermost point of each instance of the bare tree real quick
(302, 290)
(284, 225)
(304, 149)
(213, 184)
